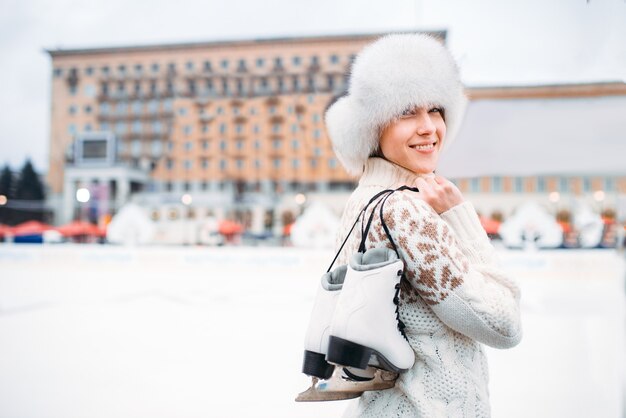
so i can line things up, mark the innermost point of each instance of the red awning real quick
(30, 228)
(491, 226)
(76, 228)
(228, 227)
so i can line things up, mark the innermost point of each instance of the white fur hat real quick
(388, 76)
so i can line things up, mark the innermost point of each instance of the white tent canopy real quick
(528, 137)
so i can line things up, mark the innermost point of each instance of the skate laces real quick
(396, 302)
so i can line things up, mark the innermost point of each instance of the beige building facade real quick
(236, 128)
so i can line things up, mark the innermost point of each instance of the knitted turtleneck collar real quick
(384, 173)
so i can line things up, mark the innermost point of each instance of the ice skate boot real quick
(365, 328)
(316, 340)
(327, 383)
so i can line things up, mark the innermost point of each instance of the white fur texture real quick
(389, 75)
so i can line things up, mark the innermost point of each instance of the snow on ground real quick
(104, 331)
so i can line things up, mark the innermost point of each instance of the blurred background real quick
(169, 196)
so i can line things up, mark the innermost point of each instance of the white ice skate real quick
(365, 329)
(342, 384)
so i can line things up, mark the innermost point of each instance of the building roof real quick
(540, 136)
(233, 42)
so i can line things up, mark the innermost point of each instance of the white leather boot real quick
(316, 340)
(365, 328)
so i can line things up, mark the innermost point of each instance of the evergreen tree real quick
(29, 188)
(7, 190)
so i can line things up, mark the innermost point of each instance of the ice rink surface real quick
(101, 331)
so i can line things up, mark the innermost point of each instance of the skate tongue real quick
(377, 255)
(334, 280)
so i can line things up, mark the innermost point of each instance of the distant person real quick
(404, 105)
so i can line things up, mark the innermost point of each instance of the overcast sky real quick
(497, 42)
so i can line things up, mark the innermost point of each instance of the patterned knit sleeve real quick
(452, 266)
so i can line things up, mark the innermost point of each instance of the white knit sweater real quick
(455, 299)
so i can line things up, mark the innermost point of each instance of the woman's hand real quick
(439, 192)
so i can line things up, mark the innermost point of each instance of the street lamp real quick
(83, 195)
(3, 200)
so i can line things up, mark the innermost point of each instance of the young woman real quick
(403, 107)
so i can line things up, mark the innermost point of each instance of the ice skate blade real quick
(339, 388)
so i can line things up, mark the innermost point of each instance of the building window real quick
(276, 127)
(136, 107)
(156, 148)
(105, 108)
(257, 164)
(257, 144)
(205, 145)
(188, 146)
(475, 185)
(121, 69)
(153, 106)
(182, 111)
(294, 128)
(317, 151)
(334, 59)
(295, 144)
(136, 126)
(518, 184)
(105, 70)
(255, 129)
(563, 184)
(168, 105)
(219, 110)
(169, 164)
(58, 72)
(239, 128)
(104, 126)
(239, 163)
(222, 128)
(296, 61)
(120, 128)
(121, 108)
(609, 184)
(276, 162)
(239, 144)
(332, 163)
(496, 184)
(541, 184)
(155, 67)
(187, 129)
(313, 163)
(90, 90)
(207, 66)
(276, 143)
(316, 133)
(224, 64)
(223, 145)
(73, 90)
(88, 109)
(204, 163)
(135, 148)
(189, 65)
(295, 163)
(72, 110)
(187, 164)
(223, 165)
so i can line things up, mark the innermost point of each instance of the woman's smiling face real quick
(414, 139)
